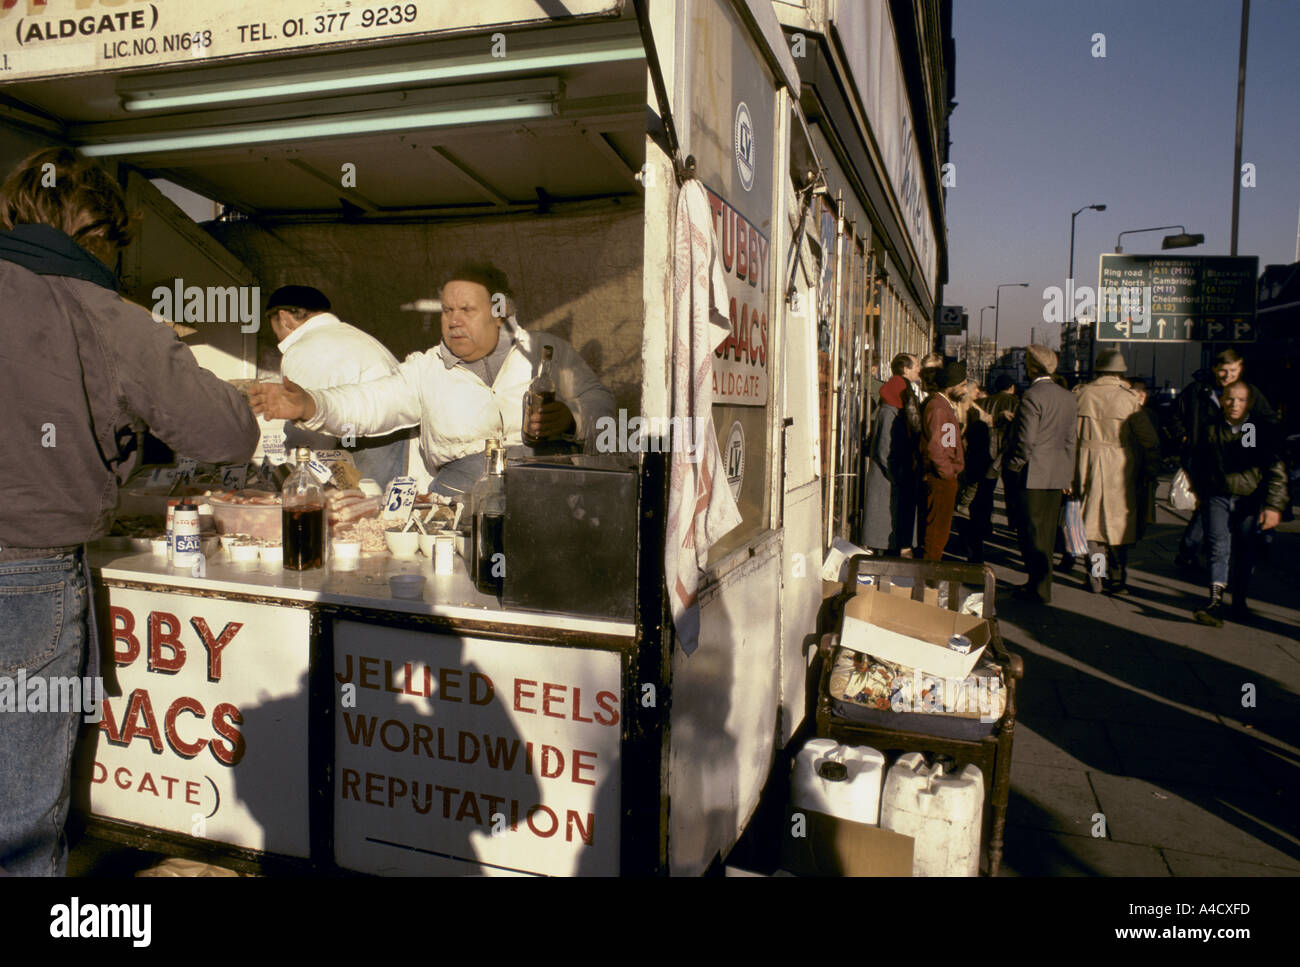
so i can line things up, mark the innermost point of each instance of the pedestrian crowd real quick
(1078, 468)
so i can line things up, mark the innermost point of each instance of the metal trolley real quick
(989, 751)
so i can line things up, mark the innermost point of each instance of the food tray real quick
(256, 520)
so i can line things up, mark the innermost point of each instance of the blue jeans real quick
(1232, 527)
(1194, 535)
(42, 631)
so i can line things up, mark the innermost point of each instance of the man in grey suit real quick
(1038, 466)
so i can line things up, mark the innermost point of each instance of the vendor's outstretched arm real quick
(372, 408)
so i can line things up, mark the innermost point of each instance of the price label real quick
(185, 468)
(399, 501)
(320, 471)
(234, 477)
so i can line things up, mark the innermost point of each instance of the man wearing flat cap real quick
(1115, 441)
(942, 459)
(321, 351)
(1038, 466)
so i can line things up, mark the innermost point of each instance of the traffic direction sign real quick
(1154, 298)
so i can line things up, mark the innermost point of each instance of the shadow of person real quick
(432, 775)
(1136, 710)
(703, 766)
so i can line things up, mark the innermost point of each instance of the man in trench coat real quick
(1115, 442)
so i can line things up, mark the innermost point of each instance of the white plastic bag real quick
(1180, 492)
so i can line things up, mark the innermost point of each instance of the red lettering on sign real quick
(109, 724)
(579, 766)
(369, 667)
(742, 347)
(445, 684)
(742, 249)
(577, 707)
(475, 696)
(171, 640)
(519, 695)
(224, 719)
(142, 707)
(192, 792)
(728, 238)
(755, 258)
(124, 635)
(184, 749)
(608, 701)
(547, 699)
(215, 646)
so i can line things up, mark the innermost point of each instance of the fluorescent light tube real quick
(217, 92)
(321, 128)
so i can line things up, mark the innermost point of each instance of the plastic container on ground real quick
(838, 780)
(942, 813)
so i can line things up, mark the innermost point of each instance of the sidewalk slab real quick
(1206, 821)
(1032, 852)
(1051, 799)
(1193, 864)
(1063, 743)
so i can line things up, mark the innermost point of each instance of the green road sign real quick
(1154, 298)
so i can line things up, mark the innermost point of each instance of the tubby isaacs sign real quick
(1154, 298)
(206, 732)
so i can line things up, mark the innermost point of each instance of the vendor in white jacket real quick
(466, 390)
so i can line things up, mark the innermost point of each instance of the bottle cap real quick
(302, 454)
(548, 352)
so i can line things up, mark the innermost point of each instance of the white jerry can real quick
(942, 813)
(838, 780)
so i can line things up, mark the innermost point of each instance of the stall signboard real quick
(1154, 298)
(45, 38)
(205, 733)
(456, 755)
(740, 364)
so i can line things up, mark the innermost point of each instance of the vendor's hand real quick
(281, 402)
(1269, 518)
(552, 420)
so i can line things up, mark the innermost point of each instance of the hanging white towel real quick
(701, 509)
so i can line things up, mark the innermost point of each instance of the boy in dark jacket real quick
(1240, 481)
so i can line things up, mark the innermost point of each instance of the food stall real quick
(315, 720)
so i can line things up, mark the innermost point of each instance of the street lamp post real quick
(981, 345)
(1069, 295)
(1181, 240)
(998, 307)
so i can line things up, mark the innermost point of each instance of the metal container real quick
(570, 540)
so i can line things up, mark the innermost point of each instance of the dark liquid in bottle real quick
(533, 404)
(487, 544)
(303, 537)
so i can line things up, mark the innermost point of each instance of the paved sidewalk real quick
(1137, 752)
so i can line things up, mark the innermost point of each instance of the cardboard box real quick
(840, 847)
(912, 633)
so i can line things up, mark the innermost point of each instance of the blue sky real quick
(1042, 128)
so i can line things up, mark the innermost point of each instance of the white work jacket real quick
(455, 410)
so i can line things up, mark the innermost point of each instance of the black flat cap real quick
(298, 297)
(953, 375)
